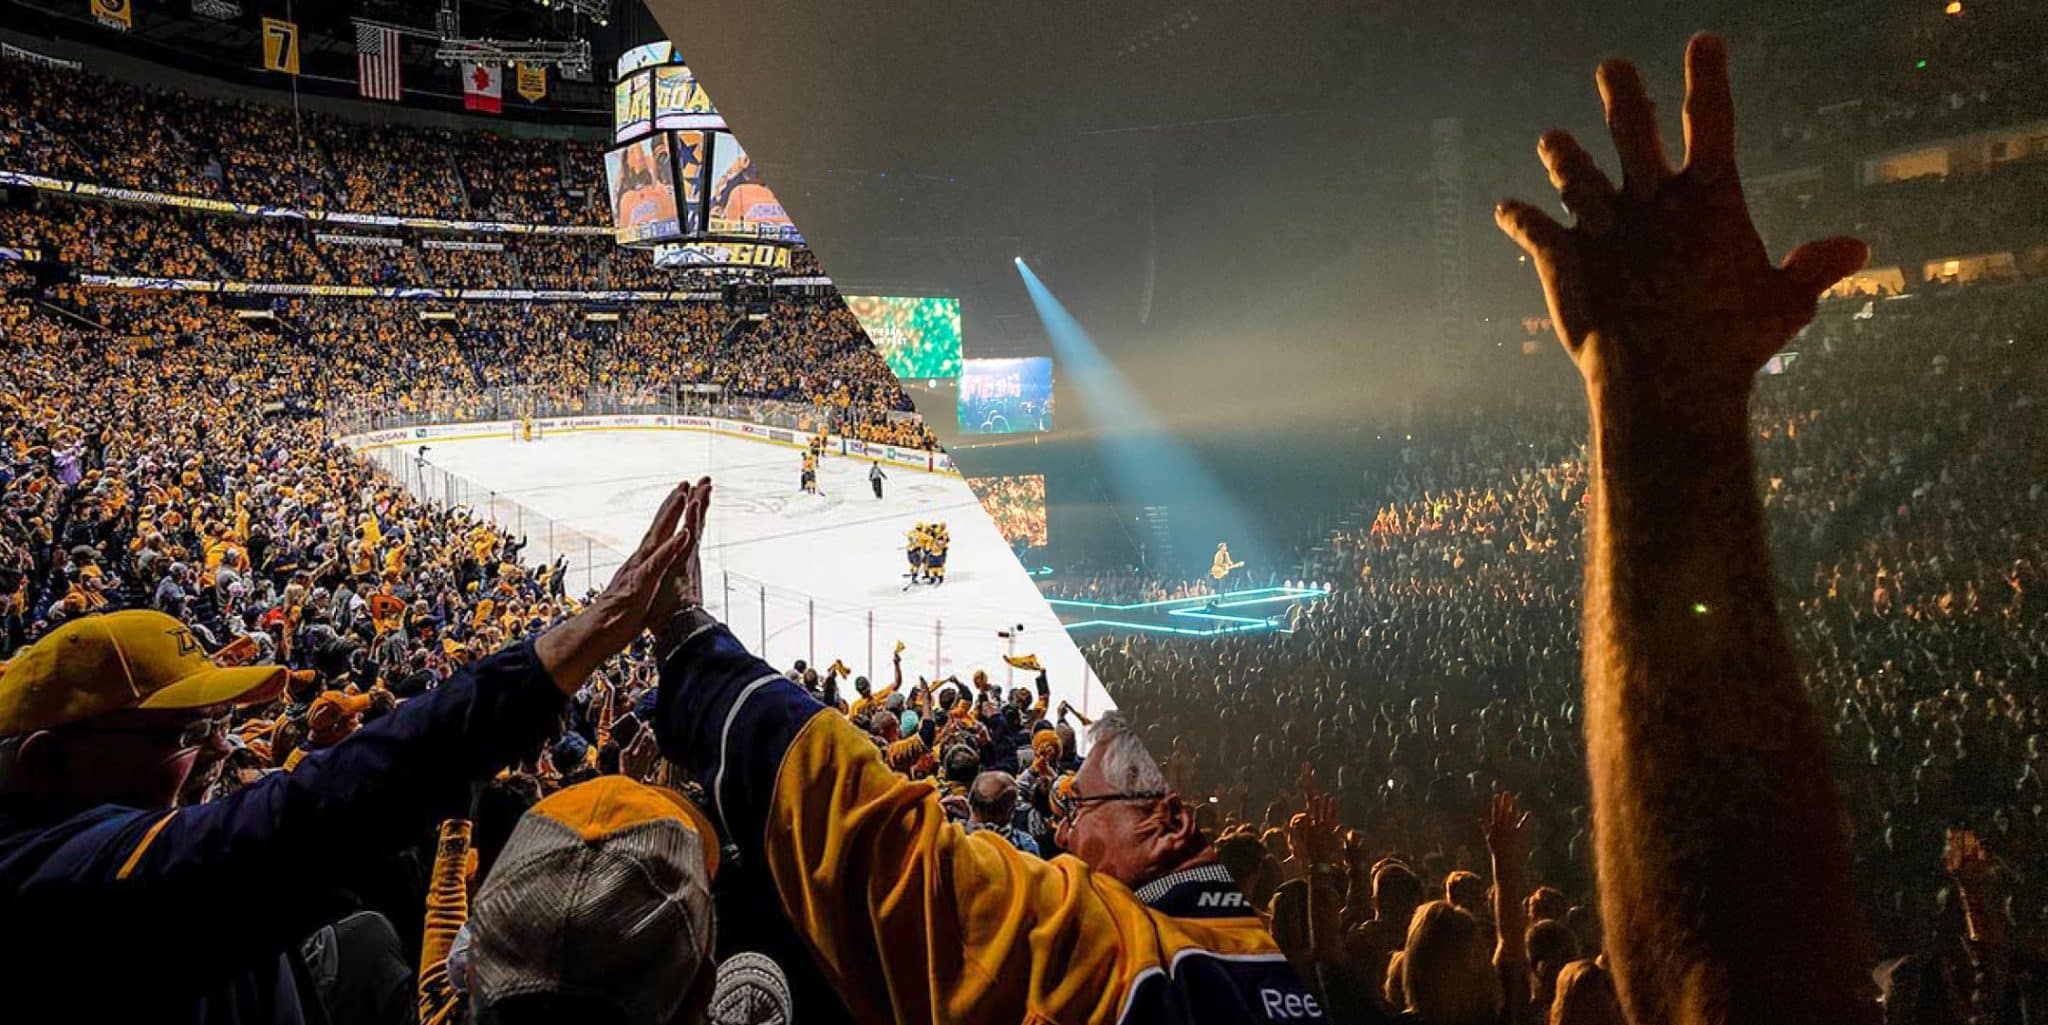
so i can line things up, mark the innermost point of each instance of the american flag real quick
(377, 62)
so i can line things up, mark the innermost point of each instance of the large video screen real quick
(1006, 396)
(680, 102)
(742, 205)
(917, 337)
(642, 56)
(641, 179)
(632, 107)
(1016, 504)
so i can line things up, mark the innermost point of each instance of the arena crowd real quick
(1900, 462)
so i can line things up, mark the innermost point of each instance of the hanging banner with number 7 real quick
(281, 45)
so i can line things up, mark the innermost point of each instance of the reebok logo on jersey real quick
(1281, 1006)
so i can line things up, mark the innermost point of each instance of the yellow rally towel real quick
(1029, 662)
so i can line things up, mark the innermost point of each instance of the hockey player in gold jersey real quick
(936, 544)
(915, 543)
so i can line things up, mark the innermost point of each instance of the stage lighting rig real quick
(599, 11)
(571, 56)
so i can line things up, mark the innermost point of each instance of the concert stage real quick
(1253, 610)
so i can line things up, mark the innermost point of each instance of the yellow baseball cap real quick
(136, 659)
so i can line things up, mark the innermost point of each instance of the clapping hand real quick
(684, 579)
(641, 590)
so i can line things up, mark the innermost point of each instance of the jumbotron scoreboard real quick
(678, 180)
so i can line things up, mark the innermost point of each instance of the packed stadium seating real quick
(1900, 457)
(81, 127)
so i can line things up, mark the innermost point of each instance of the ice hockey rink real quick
(796, 576)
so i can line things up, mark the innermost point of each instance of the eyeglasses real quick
(1077, 802)
(1080, 801)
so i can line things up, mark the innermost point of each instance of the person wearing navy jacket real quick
(120, 906)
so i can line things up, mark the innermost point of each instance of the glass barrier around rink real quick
(782, 624)
(544, 402)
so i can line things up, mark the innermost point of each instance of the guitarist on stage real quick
(1223, 565)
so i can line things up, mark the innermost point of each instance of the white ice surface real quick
(827, 566)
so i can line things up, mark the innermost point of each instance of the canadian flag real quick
(483, 87)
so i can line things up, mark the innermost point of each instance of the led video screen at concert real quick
(917, 337)
(1006, 396)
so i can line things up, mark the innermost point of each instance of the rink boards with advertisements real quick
(797, 576)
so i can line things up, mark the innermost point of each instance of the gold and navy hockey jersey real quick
(915, 920)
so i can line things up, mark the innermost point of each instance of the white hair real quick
(1126, 764)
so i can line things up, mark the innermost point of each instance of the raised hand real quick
(1662, 284)
(1507, 833)
(1321, 832)
(638, 590)
(638, 759)
(684, 581)
(1966, 859)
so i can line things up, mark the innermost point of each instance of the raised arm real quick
(1067, 710)
(1990, 935)
(1507, 845)
(1722, 858)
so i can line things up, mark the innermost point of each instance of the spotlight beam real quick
(1148, 464)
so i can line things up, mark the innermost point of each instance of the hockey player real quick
(914, 549)
(935, 554)
(525, 427)
(808, 481)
